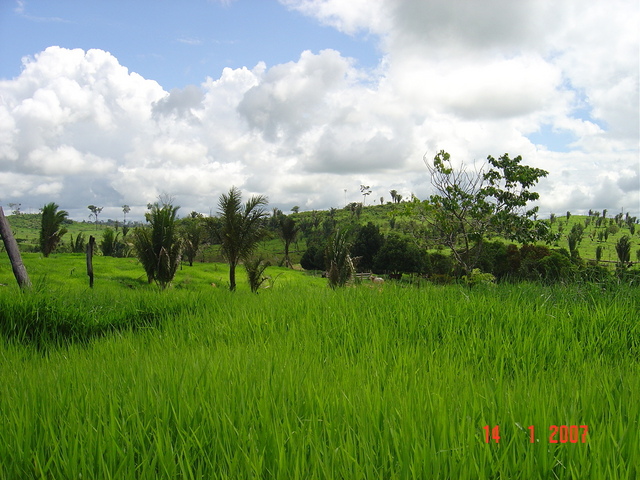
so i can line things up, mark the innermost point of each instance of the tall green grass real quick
(304, 382)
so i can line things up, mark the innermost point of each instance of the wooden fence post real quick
(90, 245)
(11, 246)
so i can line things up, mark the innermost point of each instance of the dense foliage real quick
(158, 246)
(469, 207)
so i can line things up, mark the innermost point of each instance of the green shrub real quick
(441, 279)
(476, 277)
(493, 258)
(158, 247)
(78, 244)
(255, 268)
(109, 244)
(596, 273)
(441, 264)
(313, 258)
(623, 249)
(556, 267)
(398, 255)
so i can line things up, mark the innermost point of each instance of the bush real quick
(493, 258)
(596, 273)
(313, 258)
(441, 279)
(440, 264)
(399, 255)
(78, 245)
(530, 257)
(255, 268)
(109, 244)
(476, 277)
(623, 249)
(630, 276)
(339, 265)
(159, 248)
(556, 267)
(366, 245)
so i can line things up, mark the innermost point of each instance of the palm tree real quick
(125, 209)
(95, 211)
(242, 228)
(288, 232)
(78, 244)
(339, 264)
(192, 235)
(50, 231)
(159, 248)
(142, 245)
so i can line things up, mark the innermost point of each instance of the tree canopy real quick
(469, 207)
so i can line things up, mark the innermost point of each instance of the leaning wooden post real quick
(11, 246)
(92, 242)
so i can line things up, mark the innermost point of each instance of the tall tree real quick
(468, 206)
(125, 209)
(365, 190)
(95, 211)
(158, 247)
(288, 232)
(51, 230)
(241, 229)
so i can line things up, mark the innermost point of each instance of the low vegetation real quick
(304, 381)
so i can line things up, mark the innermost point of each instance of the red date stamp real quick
(557, 433)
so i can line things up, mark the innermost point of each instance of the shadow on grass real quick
(45, 322)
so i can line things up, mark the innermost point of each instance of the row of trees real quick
(239, 229)
(466, 210)
(160, 246)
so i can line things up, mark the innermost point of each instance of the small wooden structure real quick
(362, 275)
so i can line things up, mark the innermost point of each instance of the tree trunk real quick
(232, 277)
(287, 261)
(10, 244)
(92, 242)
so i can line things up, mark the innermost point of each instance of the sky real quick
(116, 102)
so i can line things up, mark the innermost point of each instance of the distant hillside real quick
(389, 217)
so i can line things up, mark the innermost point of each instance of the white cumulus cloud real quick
(473, 78)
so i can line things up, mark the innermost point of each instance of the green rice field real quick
(301, 381)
